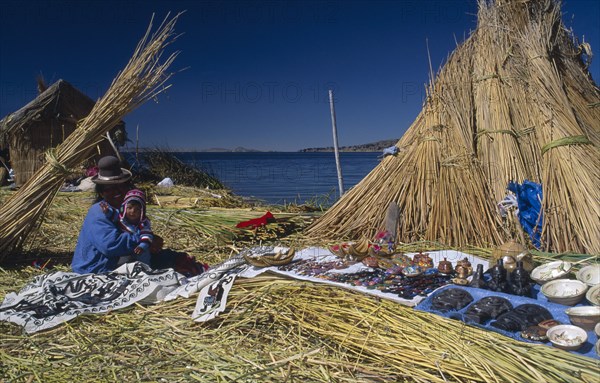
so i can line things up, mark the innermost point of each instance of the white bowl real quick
(593, 295)
(567, 337)
(550, 271)
(597, 330)
(585, 317)
(566, 292)
(590, 275)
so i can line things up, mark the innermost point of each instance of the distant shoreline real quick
(370, 147)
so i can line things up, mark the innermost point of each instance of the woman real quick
(101, 243)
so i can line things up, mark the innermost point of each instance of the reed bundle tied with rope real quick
(143, 78)
(514, 102)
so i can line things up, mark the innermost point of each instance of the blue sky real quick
(257, 72)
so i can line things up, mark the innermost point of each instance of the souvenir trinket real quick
(477, 280)
(487, 308)
(423, 260)
(385, 263)
(370, 262)
(402, 260)
(451, 299)
(422, 285)
(460, 281)
(522, 317)
(549, 323)
(445, 267)
(412, 271)
(357, 251)
(497, 281)
(535, 333)
(520, 283)
(466, 265)
(461, 276)
(567, 337)
(511, 252)
(340, 250)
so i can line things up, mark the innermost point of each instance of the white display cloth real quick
(324, 255)
(54, 298)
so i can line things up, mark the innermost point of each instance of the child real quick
(131, 217)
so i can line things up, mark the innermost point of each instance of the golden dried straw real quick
(143, 78)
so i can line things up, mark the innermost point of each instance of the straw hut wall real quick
(43, 124)
(514, 102)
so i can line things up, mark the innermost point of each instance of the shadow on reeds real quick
(38, 259)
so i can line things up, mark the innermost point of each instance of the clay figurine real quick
(498, 278)
(520, 283)
(477, 280)
(466, 264)
(445, 267)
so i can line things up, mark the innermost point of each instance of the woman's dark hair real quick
(99, 189)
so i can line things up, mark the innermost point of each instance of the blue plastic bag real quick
(529, 201)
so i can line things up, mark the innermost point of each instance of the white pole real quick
(335, 144)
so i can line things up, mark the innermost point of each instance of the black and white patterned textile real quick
(58, 297)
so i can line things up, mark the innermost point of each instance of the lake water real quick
(279, 178)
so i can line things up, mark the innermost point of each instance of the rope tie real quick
(429, 138)
(487, 77)
(503, 131)
(514, 133)
(573, 140)
(56, 165)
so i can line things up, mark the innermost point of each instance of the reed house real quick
(44, 123)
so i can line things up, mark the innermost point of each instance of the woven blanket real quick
(58, 297)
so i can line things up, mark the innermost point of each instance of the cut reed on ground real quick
(277, 330)
(274, 328)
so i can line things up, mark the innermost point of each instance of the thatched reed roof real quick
(61, 102)
(44, 123)
(514, 102)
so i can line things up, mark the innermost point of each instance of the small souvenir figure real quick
(445, 267)
(451, 299)
(522, 317)
(520, 283)
(487, 308)
(498, 278)
(478, 280)
(466, 264)
(423, 260)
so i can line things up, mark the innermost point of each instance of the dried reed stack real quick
(570, 160)
(143, 77)
(513, 102)
(497, 139)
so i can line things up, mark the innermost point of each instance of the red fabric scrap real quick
(256, 222)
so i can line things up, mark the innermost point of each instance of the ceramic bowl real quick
(567, 337)
(566, 292)
(585, 317)
(590, 275)
(593, 295)
(550, 271)
(597, 329)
